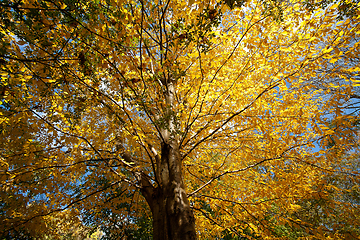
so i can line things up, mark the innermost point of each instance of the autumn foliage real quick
(214, 118)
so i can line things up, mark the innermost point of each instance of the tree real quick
(198, 109)
(328, 208)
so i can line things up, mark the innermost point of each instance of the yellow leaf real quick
(63, 6)
(333, 60)
(334, 6)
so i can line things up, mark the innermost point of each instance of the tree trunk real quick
(173, 218)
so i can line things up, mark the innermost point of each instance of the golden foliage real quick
(256, 88)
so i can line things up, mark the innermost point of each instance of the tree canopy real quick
(211, 117)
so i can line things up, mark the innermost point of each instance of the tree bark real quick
(173, 218)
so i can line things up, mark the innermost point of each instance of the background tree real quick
(200, 109)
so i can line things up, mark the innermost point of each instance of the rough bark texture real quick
(173, 218)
